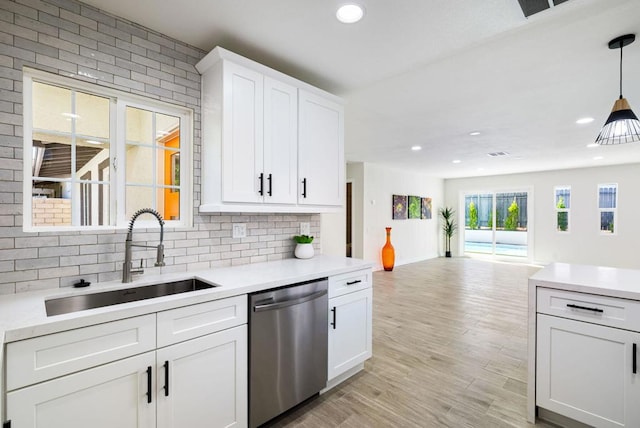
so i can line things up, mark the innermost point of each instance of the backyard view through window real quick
(96, 158)
(496, 223)
(607, 205)
(562, 204)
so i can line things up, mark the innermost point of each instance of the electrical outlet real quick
(305, 228)
(239, 230)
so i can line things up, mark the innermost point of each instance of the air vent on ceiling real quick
(497, 154)
(531, 7)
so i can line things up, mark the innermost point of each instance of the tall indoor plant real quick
(449, 227)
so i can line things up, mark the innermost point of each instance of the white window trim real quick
(613, 210)
(116, 140)
(559, 210)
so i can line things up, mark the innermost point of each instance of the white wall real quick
(584, 243)
(334, 233)
(355, 174)
(414, 239)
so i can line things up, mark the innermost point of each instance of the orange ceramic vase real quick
(388, 253)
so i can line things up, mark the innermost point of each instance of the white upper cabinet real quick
(256, 155)
(242, 127)
(280, 142)
(321, 151)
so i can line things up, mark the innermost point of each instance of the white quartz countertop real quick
(606, 281)
(23, 315)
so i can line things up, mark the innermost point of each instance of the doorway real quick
(496, 223)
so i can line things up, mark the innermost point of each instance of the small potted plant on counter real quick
(304, 247)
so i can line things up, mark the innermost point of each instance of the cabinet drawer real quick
(349, 282)
(41, 358)
(609, 311)
(177, 325)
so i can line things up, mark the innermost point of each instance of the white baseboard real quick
(341, 378)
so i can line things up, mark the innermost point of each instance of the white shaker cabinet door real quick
(242, 128)
(349, 331)
(280, 142)
(585, 371)
(112, 395)
(321, 151)
(207, 381)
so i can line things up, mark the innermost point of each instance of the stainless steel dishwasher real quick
(287, 348)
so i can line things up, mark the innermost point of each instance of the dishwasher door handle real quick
(286, 303)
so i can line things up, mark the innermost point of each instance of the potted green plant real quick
(449, 227)
(304, 246)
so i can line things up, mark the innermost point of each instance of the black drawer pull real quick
(166, 378)
(261, 190)
(149, 397)
(270, 180)
(633, 360)
(304, 188)
(354, 282)
(334, 317)
(571, 305)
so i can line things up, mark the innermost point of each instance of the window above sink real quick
(98, 155)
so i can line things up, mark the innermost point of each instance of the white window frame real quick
(613, 210)
(559, 210)
(118, 102)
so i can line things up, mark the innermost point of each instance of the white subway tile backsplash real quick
(66, 37)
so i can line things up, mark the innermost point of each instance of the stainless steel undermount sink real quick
(65, 305)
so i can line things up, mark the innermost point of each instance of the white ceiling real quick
(428, 72)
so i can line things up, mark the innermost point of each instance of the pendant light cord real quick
(621, 46)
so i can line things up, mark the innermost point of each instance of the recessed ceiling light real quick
(416, 148)
(71, 115)
(598, 158)
(474, 133)
(93, 142)
(457, 161)
(584, 120)
(350, 13)
(592, 145)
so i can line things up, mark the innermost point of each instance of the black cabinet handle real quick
(166, 378)
(633, 359)
(571, 305)
(261, 178)
(334, 317)
(304, 187)
(354, 282)
(270, 180)
(149, 396)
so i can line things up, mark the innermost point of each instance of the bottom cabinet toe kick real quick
(173, 365)
(583, 347)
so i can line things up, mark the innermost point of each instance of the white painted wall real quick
(334, 233)
(414, 239)
(355, 175)
(584, 243)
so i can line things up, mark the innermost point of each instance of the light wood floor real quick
(449, 350)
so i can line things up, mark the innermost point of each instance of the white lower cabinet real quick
(207, 381)
(349, 331)
(206, 374)
(585, 371)
(112, 395)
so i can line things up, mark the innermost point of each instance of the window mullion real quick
(120, 163)
(76, 203)
(154, 166)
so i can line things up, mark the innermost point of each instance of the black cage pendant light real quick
(622, 126)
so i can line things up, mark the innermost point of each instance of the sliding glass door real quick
(496, 223)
